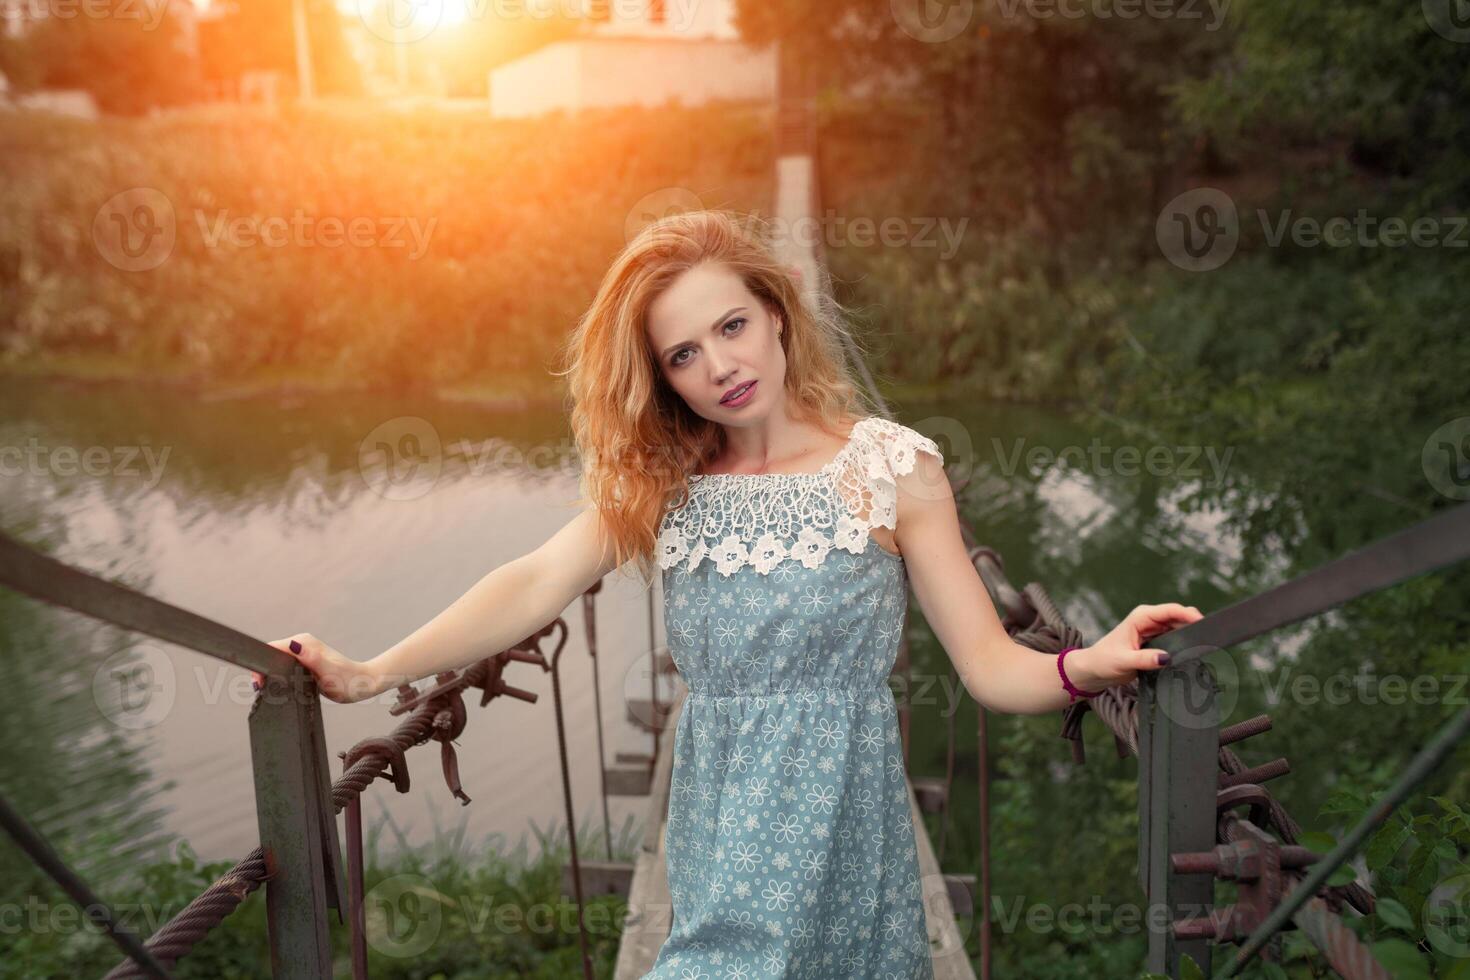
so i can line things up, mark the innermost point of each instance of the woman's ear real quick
(795, 271)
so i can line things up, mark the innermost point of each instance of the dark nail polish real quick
(255, 684)
(1163, 660)
(295, 646)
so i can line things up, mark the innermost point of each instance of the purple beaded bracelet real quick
(1073, 690)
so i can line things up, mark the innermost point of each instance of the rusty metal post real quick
(589, 620)
(356, 914)
(1178, 749)
(982, 732)
(297, 824)
(566, 788)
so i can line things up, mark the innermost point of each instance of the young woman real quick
(724, 441)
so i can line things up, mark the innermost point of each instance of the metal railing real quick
(1190, 782)
(299, 854)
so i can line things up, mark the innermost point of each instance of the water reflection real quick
(270, 516)
(357, 518)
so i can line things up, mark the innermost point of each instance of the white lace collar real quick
(761, 519)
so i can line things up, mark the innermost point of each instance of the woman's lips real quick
(743, 397)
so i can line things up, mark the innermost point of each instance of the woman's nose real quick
(719, 370)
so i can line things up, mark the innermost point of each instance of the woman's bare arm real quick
(509, 604)
(996, 671)
(504, 607)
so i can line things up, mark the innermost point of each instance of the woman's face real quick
(710, 336)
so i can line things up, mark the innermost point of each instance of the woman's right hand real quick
(341, 679)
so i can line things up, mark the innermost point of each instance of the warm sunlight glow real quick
(445, 13)
(417, 17)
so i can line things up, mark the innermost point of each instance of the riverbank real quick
(99, 375)
(427, 252)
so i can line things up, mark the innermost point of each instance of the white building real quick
(645, 52)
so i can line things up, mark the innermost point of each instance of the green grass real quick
(449, 910)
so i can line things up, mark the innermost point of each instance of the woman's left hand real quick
(1118, 657)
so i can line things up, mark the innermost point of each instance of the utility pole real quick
(306, 88)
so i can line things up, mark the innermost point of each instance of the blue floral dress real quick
(790, 843)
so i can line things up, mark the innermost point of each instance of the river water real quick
(358, 517)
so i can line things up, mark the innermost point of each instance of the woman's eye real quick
(679, 358)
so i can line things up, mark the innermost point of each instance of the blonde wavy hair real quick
(638, 440)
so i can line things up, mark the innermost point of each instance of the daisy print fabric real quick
(789, 839)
